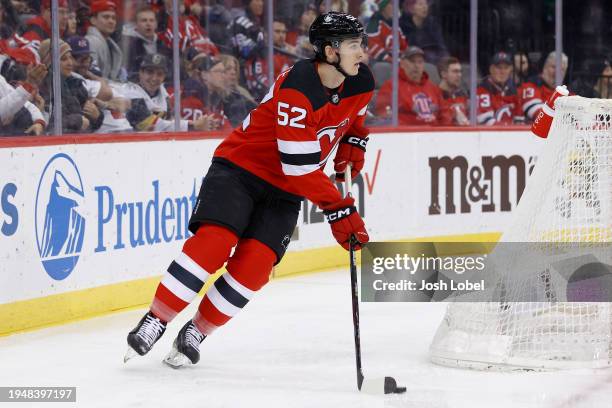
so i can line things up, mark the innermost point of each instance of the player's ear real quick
(330, 55)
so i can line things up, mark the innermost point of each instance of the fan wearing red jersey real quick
(534, 92)
(251, 196)
(497, 98)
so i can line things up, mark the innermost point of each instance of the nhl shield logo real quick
(58, 218)
(335, 98)
(285, 242)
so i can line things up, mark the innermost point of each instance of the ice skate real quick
(186, 347)
(143, 337)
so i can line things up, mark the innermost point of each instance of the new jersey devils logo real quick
(329, 137)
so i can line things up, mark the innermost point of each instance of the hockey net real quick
(567, 202)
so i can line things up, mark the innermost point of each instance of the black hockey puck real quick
(392, 388)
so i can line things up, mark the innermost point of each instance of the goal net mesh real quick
(565, 210)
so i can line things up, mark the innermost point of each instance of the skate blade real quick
(129, 354)
(176, 359)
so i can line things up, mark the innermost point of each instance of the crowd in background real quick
(116, 71)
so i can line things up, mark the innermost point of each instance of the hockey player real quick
(251, 197)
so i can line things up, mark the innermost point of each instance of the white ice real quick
(292, 346)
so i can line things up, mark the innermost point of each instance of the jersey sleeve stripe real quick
(530, 108)
(292, 170)
(290, 147)
(300, 159)
(485, 117)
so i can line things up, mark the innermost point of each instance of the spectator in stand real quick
(250, 47)
(420, 100)
(520, 72)
(96, 87)
(237, 101)
(279, 38)
(299, 36)
(79, 113)
(191, 33)
(38, 28)
(149, 105)
(367, 10)
(214, 19)
(105, 52)
(81, 53)
(140, 39)
(380, 33)
(232, 69)
(597, 83)
(18, 115)
(533, 93)
(497, 97)
(422, 30)
(256, 68)
(603, 86)
(189, 64)
(10, 25)
(22, 7)
(71, 25)
(203, 94)
(334, 5)
(454, 95)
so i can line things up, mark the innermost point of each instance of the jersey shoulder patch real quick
(303, 78)
(363, 82)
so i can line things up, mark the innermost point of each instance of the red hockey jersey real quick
(192, 108)
(256, 72)
(456, 106)
(288, 138)
(191, 35)
(532, 95)
(497, 105)
(380, 39)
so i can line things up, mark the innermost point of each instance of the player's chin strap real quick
(338, 67)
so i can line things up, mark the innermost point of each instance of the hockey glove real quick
(350, 151)
(345, 222)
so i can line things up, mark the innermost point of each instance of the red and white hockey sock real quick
(203, 254)
(248, 270)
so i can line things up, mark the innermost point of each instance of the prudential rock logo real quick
(59, 223)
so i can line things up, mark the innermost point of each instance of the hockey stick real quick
(386, 385)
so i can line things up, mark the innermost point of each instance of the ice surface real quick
(291, 347)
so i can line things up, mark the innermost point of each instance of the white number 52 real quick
(284, 119)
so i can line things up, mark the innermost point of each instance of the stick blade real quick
(378, 386)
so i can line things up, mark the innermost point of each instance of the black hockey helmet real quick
(331, 29)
